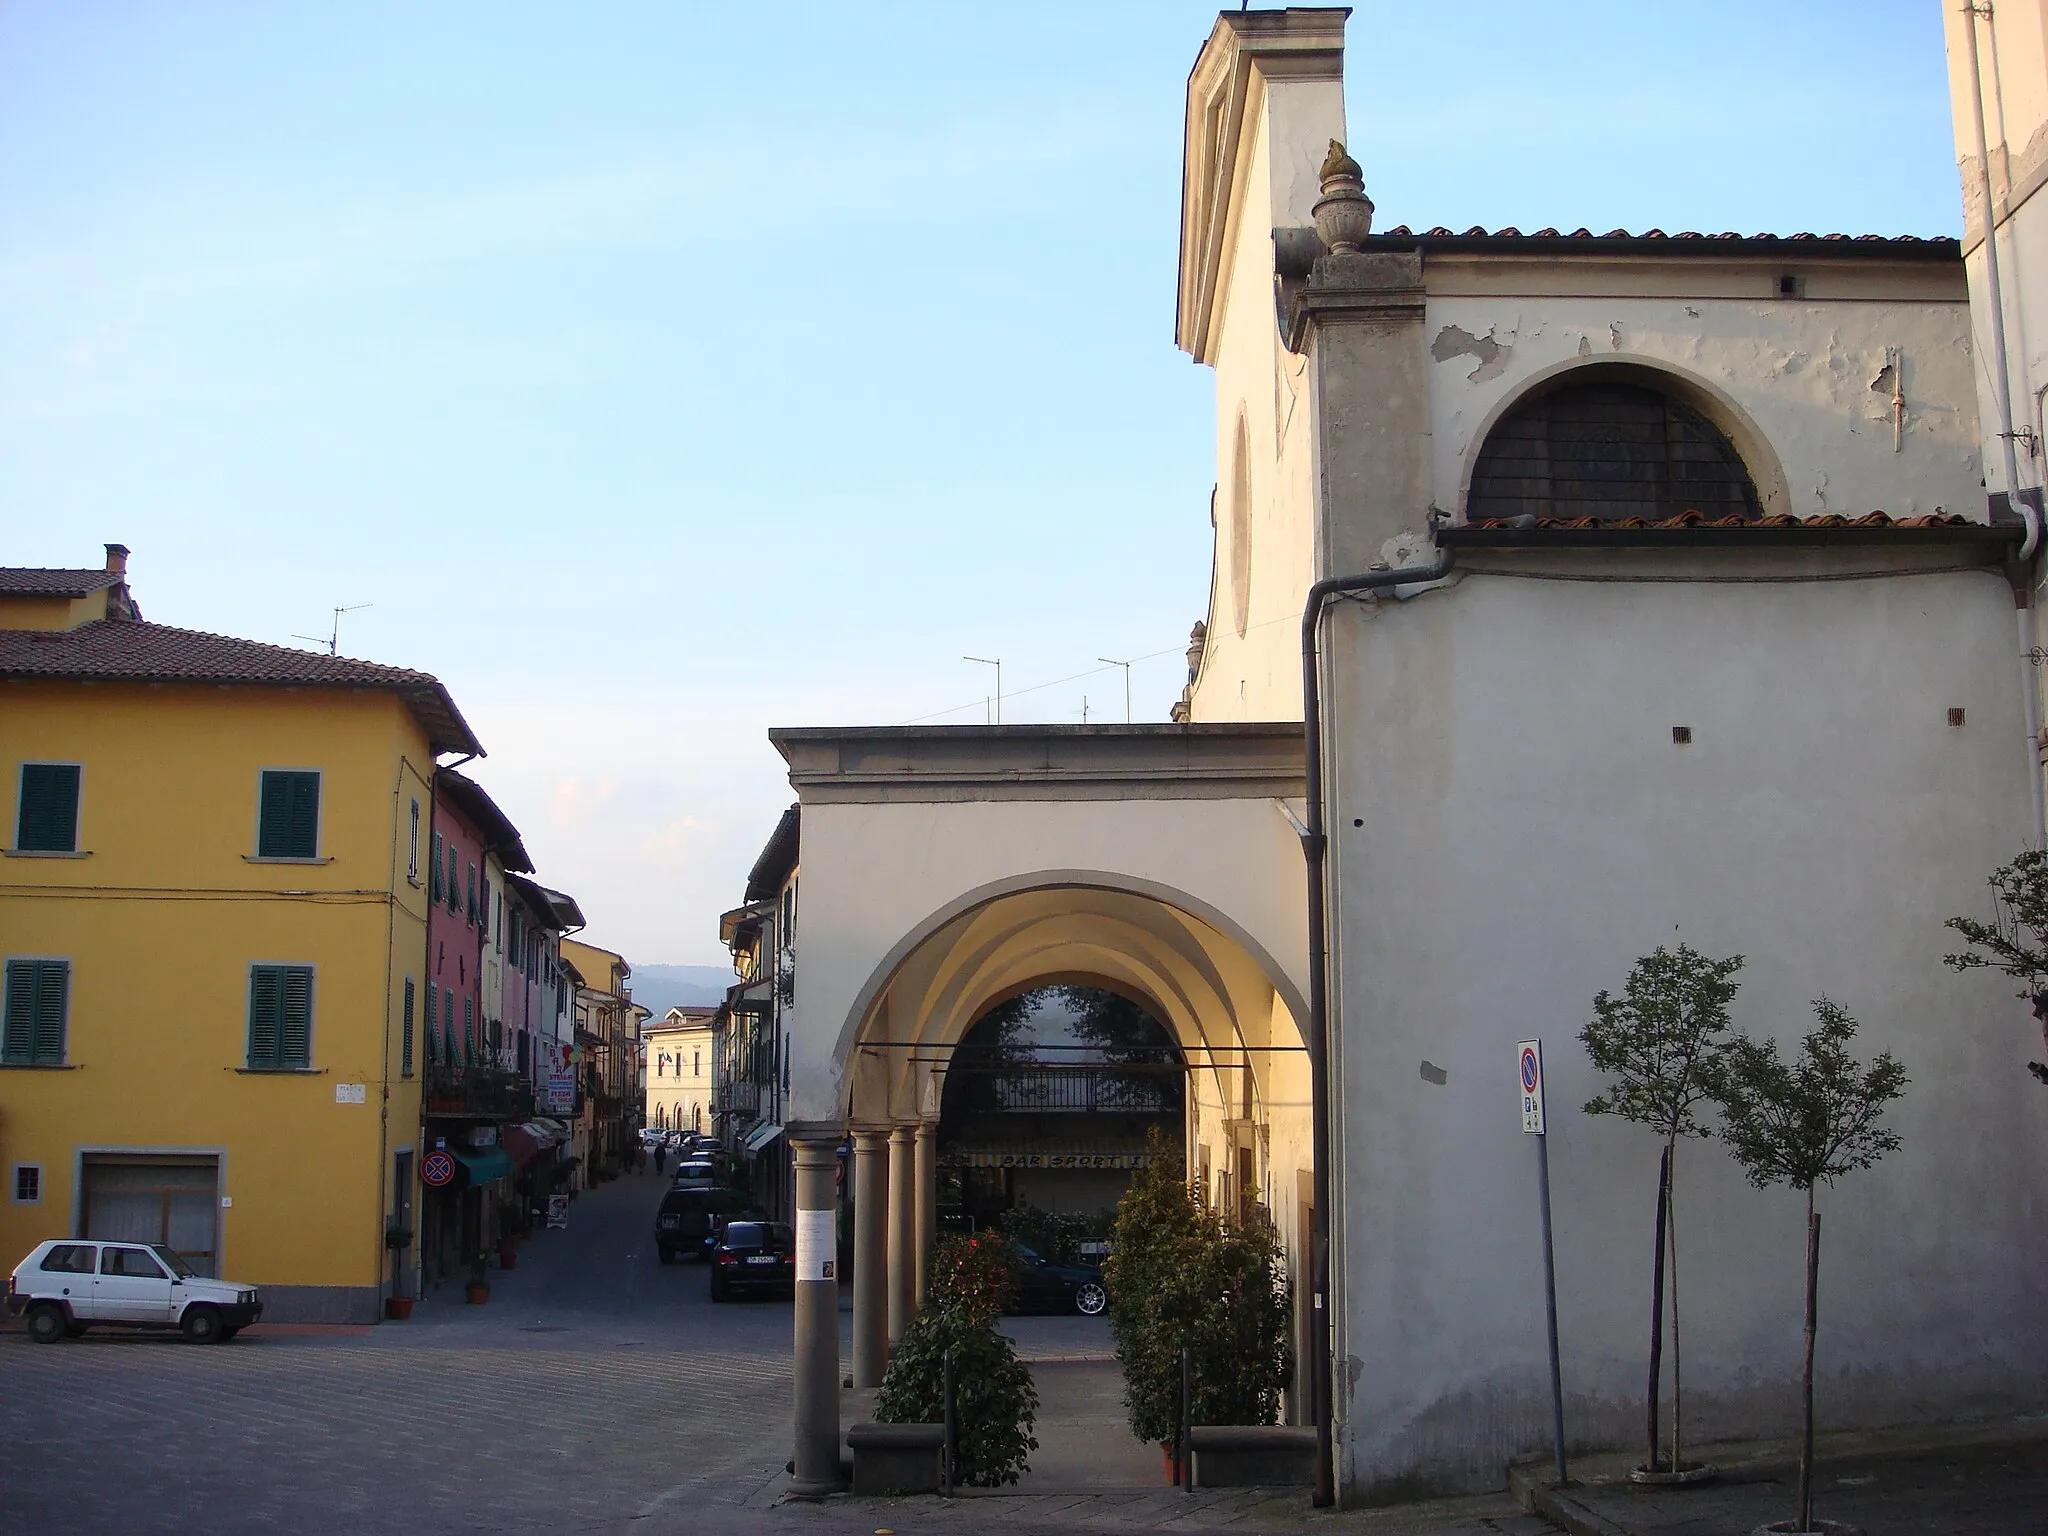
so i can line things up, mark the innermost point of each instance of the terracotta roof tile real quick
(1901, 244)
(131, 651)
(34, 581)
(1701, 520)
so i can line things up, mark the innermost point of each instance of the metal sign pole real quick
(1534, 1123)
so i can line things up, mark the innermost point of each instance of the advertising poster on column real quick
(816, 1245)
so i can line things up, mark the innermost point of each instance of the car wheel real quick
(719, 1292)
(202, 1325)
(47, 1323)
(668, 1255)
(1090, 1298)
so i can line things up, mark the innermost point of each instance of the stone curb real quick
(1563, 1509)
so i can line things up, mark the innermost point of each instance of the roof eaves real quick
(778, 857)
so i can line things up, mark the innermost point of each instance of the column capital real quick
(902, 1134)
(870, 1138)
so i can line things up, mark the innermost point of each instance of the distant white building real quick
(675, 1058)
(1679, 613)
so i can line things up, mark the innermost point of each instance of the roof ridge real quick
(412, 674)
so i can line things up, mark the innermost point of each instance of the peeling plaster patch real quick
(1882, 384)
(1493, 353)
(1691, 312)
(1820, 489)
(1585, 346)
(1614, 336)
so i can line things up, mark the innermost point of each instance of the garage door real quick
(168, 1200)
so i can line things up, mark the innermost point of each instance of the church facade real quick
(1574, 594)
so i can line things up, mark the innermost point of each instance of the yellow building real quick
(213, 915)
(607, 1055)
(675, 1070)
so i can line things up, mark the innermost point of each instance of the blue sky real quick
(661, 373)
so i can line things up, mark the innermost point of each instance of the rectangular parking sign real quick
(1529, 1060)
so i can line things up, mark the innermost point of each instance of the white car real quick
(67, 1286)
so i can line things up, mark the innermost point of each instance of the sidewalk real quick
(1982, 1479)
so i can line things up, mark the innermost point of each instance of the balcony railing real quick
(478, 1092)
(740, 1098)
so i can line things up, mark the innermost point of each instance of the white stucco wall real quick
(1529, 829)
(1257, 676)
(877, 873)
(1805, 373)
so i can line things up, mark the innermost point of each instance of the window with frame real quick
(280, 1018)
(38, 1002)
(28, 1183)
(1608, 449)
(412, 847)
(405, 1032)
(288, 815)
(46, 810)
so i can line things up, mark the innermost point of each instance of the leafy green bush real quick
(1181, 1277)
(975, 1276)
(995, 1404)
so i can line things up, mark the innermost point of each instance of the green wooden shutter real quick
(448, 1024)
(469, 1050)
(289, 825)
(47, 819)
(295, 1035)
(405, 1034)
(433, 1024)
(434, 870)
(454, 881)
(469, 901)
(266, 1014)
(32, 1028)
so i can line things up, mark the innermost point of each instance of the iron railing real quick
(478, 1092)
(1076, 1090)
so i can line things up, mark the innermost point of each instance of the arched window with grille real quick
(1609, 448)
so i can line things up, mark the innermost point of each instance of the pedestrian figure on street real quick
(661, 1158)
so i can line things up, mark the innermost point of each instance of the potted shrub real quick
(1801, 1123)
(478, 1290)
(1656, 1043)
(397, 1237)
(1181, 1277)
(995, 1403)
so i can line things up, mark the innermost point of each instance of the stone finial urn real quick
(1343, 215)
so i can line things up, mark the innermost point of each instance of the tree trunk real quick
(1677, 1355)
(1657, 1307)
(1806, 1370)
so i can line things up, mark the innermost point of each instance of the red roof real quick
(1687, 242)
(1701, 520)
(34, 581)
(132, 651)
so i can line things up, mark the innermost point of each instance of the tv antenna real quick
(333, 639)
(997, 663)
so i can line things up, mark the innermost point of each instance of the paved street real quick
(595, 1387)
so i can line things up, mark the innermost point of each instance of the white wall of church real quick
(1811, 373)
(1528, 830)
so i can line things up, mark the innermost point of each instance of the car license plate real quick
(762, 1258)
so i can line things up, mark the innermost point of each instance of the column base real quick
(813, 1488)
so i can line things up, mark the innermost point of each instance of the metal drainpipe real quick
(1314, 847)
(2002, 396)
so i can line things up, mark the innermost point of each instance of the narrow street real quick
(597, 1386)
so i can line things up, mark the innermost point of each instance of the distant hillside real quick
(662, 987)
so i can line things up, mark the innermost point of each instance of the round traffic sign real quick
(437, 1168)
(1530, 1071)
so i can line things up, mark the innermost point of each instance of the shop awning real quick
(523, 1143)
(761, 1136)
(485, 1164)
(1079, 1159)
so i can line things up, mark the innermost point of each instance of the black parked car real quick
(753, 1256)
(1046, 1286)
(688, 1217)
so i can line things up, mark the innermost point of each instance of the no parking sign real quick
(437, 1168)
(1530, 1053)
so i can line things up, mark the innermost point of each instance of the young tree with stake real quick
(1806, 1122)
(1654, 1042)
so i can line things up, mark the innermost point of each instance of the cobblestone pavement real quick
(598, 1391)
(597, 1386)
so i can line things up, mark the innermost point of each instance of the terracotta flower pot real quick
(477, 1292)
(508, 1256)
(1166, 1458)
(398, 1308)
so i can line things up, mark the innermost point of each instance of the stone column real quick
(870, 1256)
(902, 1230)
(817, 1316)
(927, 1206)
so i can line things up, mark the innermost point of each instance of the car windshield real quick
(758, 1234)
(173, 1262)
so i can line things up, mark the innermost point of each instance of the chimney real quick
(117, 559)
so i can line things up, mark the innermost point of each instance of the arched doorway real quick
(1197, 999)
